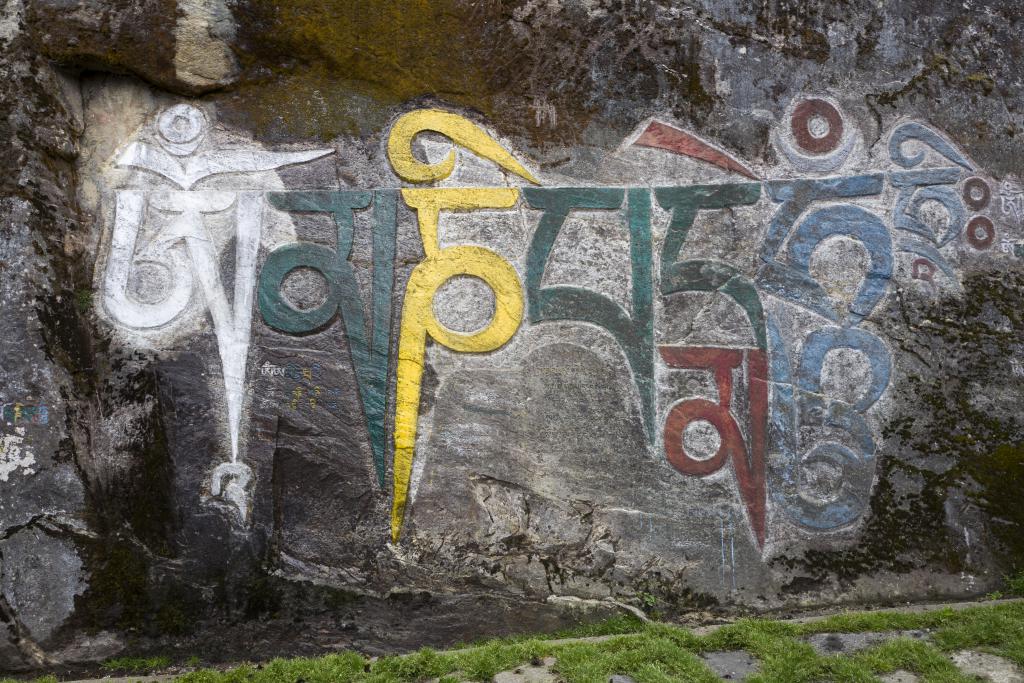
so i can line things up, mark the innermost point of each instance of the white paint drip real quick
(732, 551)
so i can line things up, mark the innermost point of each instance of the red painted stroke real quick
(749, 469)
(663, 136)
(923, 269)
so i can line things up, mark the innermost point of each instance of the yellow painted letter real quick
(461, 131)
(418, 320)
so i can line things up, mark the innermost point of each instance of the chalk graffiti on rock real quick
(14, 413)
(787, 440)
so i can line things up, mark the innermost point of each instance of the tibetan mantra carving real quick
(766, 410)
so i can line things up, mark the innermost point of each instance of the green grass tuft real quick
(1015, 584)
(137, 665)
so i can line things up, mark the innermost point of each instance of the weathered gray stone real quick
(731, 665)
(899, 677)
(987, 667)
(845, 643)
(529, 673)
(40, 577)
(181, 45)
(91, 647)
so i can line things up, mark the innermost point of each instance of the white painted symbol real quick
(181, 130)
(268, 369)
(236, 490)
(1011, 199)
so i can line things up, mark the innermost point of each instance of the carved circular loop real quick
(304, 288)
(277, 310)
(980, 232)
(464, 304)
(824, 471)
(976, 194)
(805, 122)
(680, 416)
(181, 129)
(181, 123)
(483, 264)
(922, 269)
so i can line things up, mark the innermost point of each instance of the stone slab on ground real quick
(529, 673)
(899, 676)
(734, 665)
(987, 667)
(845, 643)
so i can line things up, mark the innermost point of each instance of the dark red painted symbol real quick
(804, 116)
(980, 232)
(976, 194)
(748, 464)
(663, 136)
(922, 269)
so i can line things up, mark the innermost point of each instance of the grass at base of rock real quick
(136, 665)
(652, 653)
(661, 652)
(617, 625)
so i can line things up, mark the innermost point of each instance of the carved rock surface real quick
(415, 323)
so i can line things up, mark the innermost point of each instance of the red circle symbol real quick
(980, 232)
(811, 114)
(681, 415)
(976, 194)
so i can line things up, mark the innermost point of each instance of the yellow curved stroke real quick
(428, 204)
(419, 322)
(459, 130)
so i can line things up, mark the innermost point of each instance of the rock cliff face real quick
(408, 323)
